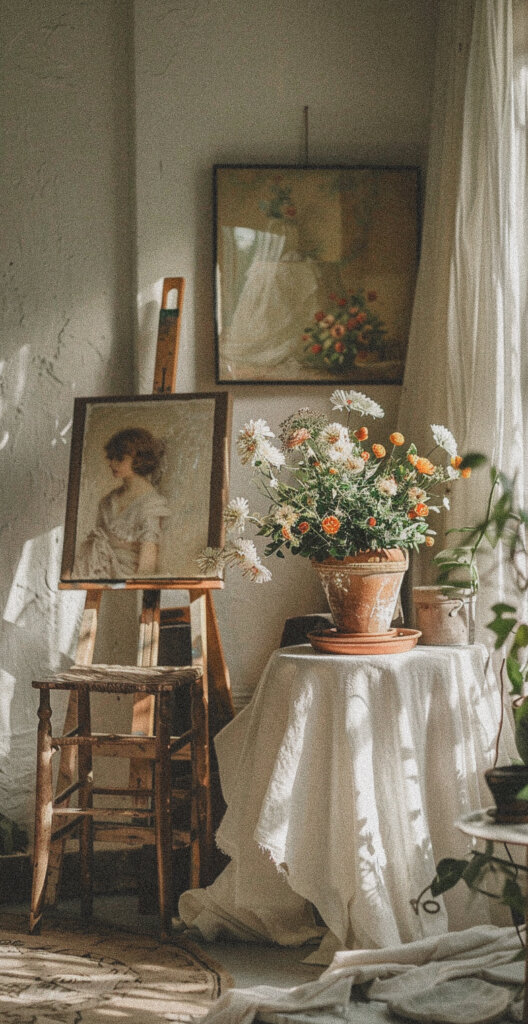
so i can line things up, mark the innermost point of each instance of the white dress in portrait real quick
(111, 550)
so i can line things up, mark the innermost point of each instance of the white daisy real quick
(416, 494)
(355, 464)
(258, 573)
(387, 485)
(286, 515)
(355, 401)
(236, 514)
(241, 551)
(251, 439)
(341, 452)
(334, 433)
(268, 453)
(211, 561)
(444, 439)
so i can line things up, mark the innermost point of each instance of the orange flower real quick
(286, 533)
(332, 470)
(339, 346)
(319, 316)
(421, 509)
(413, 459)
(397, 438)
(429, 541)
(316, 349)
(337, 331)
(297, 437)
(455, 461)
(365, 456)
(411, 514)
(371, 521)
(303, 527)
(465, 472)
(425, 467)
(378, 450)
(361, 434)
(330, 524)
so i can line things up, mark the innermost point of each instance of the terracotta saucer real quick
(358, 638)
(393, 642)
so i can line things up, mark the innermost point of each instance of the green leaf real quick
(514, 673)
(474, 870)
(513, 898)
(473, 460)
(521, 636)
(449, 871)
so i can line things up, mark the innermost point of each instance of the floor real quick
(247, 964)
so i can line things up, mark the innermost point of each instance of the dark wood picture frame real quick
(314, 272)
(195, 429)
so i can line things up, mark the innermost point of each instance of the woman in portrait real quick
(126, 538)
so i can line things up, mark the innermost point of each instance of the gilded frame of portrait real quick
(314, 272)
(148, 481)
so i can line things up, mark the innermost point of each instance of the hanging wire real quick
(305, 113)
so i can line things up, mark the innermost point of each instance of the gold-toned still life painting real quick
(315, 270)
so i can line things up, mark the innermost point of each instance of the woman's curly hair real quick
(146, 450)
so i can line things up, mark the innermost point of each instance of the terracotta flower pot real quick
(504, 783)
(362, 590)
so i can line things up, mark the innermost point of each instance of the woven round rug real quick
(75, 977)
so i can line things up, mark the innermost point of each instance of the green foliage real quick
(486, 873)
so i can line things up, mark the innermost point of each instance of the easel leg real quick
(43, 811)
(163, 812)
(68, 755)
(85, 803)
(201, 814)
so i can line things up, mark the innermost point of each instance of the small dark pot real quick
(505, 782)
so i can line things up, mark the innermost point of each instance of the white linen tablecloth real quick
(343, 778)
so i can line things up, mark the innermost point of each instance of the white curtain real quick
(466, 364)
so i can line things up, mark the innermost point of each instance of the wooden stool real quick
(133, 826)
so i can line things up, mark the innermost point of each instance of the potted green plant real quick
(504, 523)
(353, 508)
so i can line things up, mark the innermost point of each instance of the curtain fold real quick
(465, 366)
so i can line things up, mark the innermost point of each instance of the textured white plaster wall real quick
(67, 320)
(226, 83)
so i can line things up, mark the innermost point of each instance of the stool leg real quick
(85, 803)
(43, 811)
(163, 813)
(201, 813)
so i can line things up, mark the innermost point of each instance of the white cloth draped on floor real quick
(395, 973)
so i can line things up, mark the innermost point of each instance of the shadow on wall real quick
(37, 637)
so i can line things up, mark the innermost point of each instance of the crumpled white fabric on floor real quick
(343, 779)
(394, 972)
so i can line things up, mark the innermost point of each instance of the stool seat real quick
(120, 678)
(152, 814)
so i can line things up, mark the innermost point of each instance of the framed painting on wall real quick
(147, 487)
(315, 270)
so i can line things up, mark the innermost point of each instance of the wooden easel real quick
(205, 636)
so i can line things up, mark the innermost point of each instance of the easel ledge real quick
(158, 584)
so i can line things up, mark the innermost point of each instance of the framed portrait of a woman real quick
(147, 487)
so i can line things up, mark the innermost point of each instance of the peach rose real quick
(397, 438)
(379, 451)
(330, 524)
(361, 433)
(425, 467)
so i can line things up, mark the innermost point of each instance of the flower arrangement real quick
(330, 494)
(347, 334)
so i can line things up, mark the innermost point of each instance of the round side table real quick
(481, 825)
